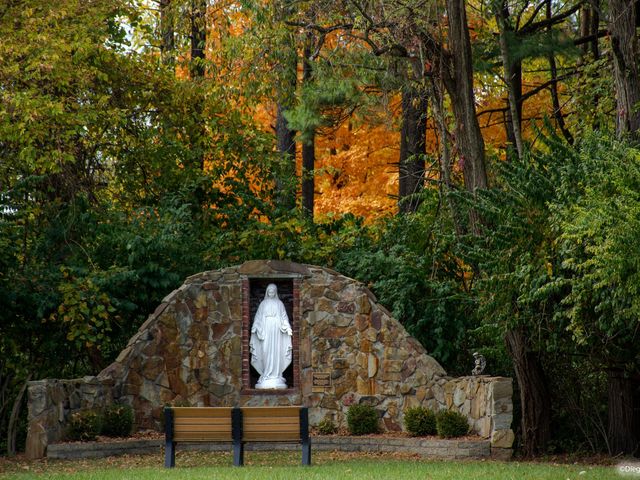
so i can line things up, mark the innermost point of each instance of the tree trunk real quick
(585, 25)
(624, 44)
(516, 79)
(555, 98)
(198, 37)
(167, 40)
(308, 146)
(459, 85)
(285, 89)
(458, 80)
(447, 188)
(413, 149)
(198, 40)
(534, 393)
(595, 26)
(284, 136)
(512, 77)
(12, 429)
(286, 144)
(623, 438)
(308, 164)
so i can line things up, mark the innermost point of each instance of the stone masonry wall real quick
(190, 352)
(52, 401)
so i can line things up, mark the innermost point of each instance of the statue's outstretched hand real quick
(259, 333)
(286, 329)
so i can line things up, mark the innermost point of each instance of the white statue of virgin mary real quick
(270, 344)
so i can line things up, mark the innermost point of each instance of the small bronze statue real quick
(480, 364)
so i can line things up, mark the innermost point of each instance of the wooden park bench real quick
(237, 426)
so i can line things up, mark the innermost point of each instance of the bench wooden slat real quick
(271, 426)
(202, 421)
(271, 433)
(203, 428)
(271, 421)
(247, 427)
(206, 412)
(271, 412)
(201, 437)
(274, 437)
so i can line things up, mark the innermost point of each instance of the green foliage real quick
(117, 420)
(580, 420)
(560, 260)
(600, 248)
(565, 226)
(84, 311)
(420, 421)
(593, 97)
(326, 426)
(451, 423)
(117, 180)
(416, 275)
(84, 425)
(324, 106)
(362, 419)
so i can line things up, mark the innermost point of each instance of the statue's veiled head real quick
(272, 291)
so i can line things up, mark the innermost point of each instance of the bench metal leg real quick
(236, 435)
(170, 455)
(238, 454)
(306, 453)
(304, 436)
(170, 446)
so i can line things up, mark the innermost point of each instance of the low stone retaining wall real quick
(51, 402)
(485, 401)
(426, 447)
(103, 449)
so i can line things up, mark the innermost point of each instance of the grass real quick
(285, 465)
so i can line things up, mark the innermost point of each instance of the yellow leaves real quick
(549, 268)
(355, 172)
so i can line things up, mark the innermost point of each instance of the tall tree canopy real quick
(473, 162)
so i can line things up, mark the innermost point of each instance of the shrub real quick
(327, 427)
(117, 421)
(420, 421)
(84, 425)
(450, 423)
(362, 419)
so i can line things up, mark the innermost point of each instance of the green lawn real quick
(272, 466)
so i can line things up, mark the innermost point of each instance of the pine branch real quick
(536, 26)
(544, 85)
(532, 17)
(589, 38)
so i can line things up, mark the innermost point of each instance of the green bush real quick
(327, 427)
(84, 425)
(420, 421)
(362, 419)
(117, 421)
(450, 423)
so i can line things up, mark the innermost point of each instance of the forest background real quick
(474, 163)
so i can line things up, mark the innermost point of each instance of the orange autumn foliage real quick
(356, 167)
(355, 171)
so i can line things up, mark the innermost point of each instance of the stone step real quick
(426, 447)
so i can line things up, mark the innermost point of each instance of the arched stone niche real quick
(193, 350)
(253, 292)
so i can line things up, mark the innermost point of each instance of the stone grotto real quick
(194, 351)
